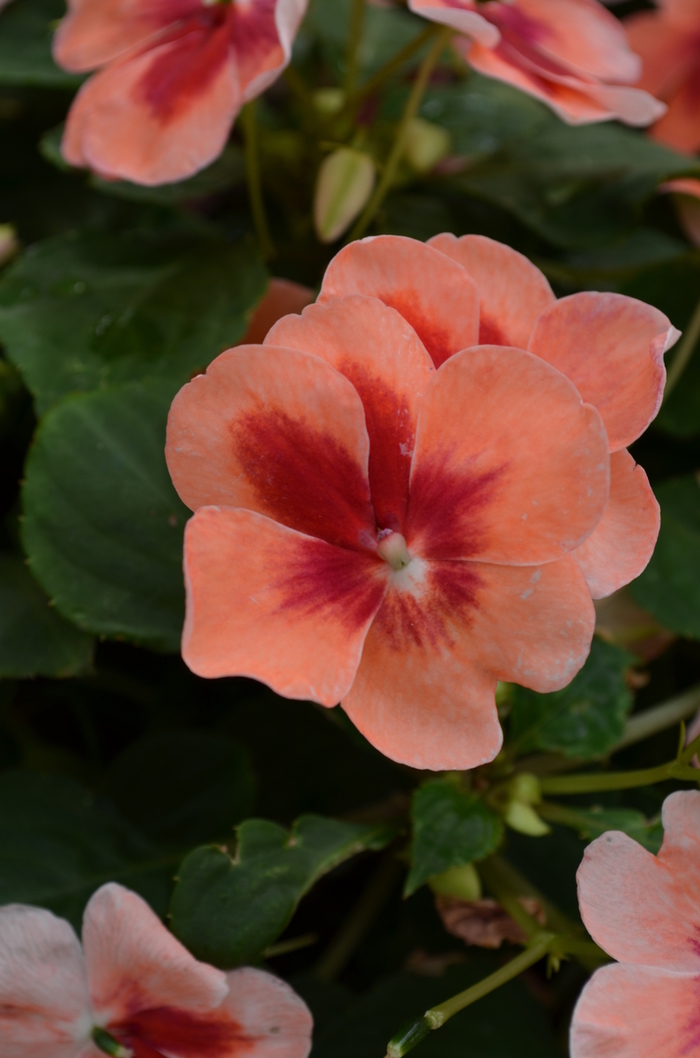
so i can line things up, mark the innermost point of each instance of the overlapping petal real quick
(622, 543)
(270, 1014)
(437, 297)
(281, 298)
(461, 15)
(612, 348)
(95, 32)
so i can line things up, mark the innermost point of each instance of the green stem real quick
(618, 780)
(500, 883)
(357, 18)
(108, 1045)
(252, 165)
(413, 102)
(651, 721)
(685, 350)
(286, 946)
(393, 65)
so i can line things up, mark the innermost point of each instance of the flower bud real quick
(461, 883)
(329, 101)
(426, 144)
(524, 819)
(526, 788)
(344, 185)
(9, 243)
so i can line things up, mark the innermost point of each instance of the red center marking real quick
(490, 333)
(438, 340)
(150, 1033)
(422, 620)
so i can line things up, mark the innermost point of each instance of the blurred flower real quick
(343, 188)
(686, 200)
(571, 54)
(621, 621)
(133, 990)
(609, 345)
(172, 76)
(371, 530)
(282, 297)
(484, 923)
(668, 41)
(643, 910)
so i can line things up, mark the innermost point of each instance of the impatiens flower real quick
(610, 346)
(571, 54)
(644, 910)
(281, 297)
(386, 510)
(668, 41)
(133, 991)
(172, 76)
(686, 199)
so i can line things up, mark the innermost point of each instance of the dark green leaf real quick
(58, 845)
(182, 788)
(592, 822)
(228, 911)
(103, 524)
(34, 639)
(386, 31)
(451, 827)
(26, 31)
(669, 588)
(586, 718)
(86, 311)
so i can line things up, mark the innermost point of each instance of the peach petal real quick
(281, 298)
(269, 1013)
(267, 602)
(642, 908)
(433, 293)
(680, 126)
(44, 999)
(637, 1012)
(513, 291)
(612, 348)
(383, 357)
(279, 432)
(668, 53)
(682, 13)
(622, 543)
(135, 964)
(261, 40)
(509, 465)
(122, 128)
(94, 32)
(460, 15)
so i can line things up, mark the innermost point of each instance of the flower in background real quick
(172, 76)
(383, 523)
(571, 54)
(644, 910)
(281, 297)
(686, 199)
(133, 990)
(610, 346)
(668, 41)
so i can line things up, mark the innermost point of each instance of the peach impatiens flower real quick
(644, 910)
(386, 510)
(133, 991)
(172, 76)
(571, 54)
(668, 41)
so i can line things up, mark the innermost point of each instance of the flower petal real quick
(279, 432)
(460, 15)
(262, 33)
(434, 294)
(44, 999)
(383, 357)
(643, 908)
(281, 298)
(157, 116)
(623, 541)
(95, 32)
(271, 1014)
(637, 1012)
(135, 964)
(510, 466)
(513, 291)
(612, 348)
(668, 52)
(680, 126)
(267, 602)
(420, 695)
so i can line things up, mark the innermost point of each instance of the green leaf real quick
(90, 310)
(583, 720)
(102, 522)
(385, 32)
(592, 822)
(182, 788)
(34, 639)
(227, 911)
(451, 827)
(58, 844)
(26, 30)
(669, 588)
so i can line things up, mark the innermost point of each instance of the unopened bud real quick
(9, 243)
(461, 883)
(426, 144)
(524, 819)
(329, 101)
(344, 185)
(526, 788)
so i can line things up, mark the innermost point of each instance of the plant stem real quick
(500, 882)
(685, 350)
(651, 721)
(252, 165)
(413, 102)
(372, 900)
(293, 944)
(618, 780)
(393, 65)
(352, 66)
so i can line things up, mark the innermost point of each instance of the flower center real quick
(109, 1045)
(392, 548)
